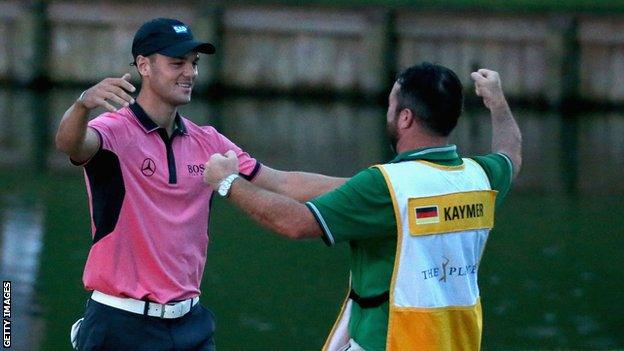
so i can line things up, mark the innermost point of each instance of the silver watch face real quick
(226, 184)
(223, 189)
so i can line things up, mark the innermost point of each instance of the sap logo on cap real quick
(180, 29)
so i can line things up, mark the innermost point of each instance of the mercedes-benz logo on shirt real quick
(148, 167)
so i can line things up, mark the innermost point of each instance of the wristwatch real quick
(226, 184)
(82, 95)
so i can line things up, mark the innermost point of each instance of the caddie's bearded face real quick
(392, 116)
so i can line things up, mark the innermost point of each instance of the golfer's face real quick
(173, 77)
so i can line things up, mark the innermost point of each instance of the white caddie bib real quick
(444, 215)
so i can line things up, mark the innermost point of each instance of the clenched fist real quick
(488, 86)
(220, 166)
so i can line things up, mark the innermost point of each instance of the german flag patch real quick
(427, 215)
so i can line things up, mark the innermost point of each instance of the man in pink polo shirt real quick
(149, 207)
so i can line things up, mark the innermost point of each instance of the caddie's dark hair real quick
(434, 95)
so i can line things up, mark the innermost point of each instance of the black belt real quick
(369, 302)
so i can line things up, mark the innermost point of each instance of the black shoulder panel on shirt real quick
(107, 191)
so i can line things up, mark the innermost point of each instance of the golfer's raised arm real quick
(73, 137)
(506, 136)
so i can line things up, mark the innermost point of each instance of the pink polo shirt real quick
(149, 205)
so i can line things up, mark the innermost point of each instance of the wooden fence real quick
(541, 56)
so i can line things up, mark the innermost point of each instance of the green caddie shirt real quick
(361, 213)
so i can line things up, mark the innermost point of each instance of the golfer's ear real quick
(142, 64)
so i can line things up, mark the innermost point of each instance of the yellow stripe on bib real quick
(440, 329)
(451, 212)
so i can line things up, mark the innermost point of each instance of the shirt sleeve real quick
(359, 209)
(110, 130)
(247, 165)
(499, 170)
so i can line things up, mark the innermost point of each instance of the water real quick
(550, 277)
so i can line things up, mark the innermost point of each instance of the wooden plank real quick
(10, 10)
(594, 72)
(5, 48)
(116, 13)
(485, 27)
(291, 20)
(349, 69)
(240, 67)
(616, 67)
(470, 54)
(425, 51)
(407, 49)
(493, 55)
(511, 71)
(602, 132)
(450, 56)
(533, 64)
(603, 30)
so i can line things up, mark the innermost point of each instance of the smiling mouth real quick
(185, 85)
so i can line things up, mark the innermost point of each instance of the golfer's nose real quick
(190, 70)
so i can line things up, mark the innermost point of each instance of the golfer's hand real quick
(220, 166)
(488, 86)
(110, 90)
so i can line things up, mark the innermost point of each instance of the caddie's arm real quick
(281, 214)
(73, 137)
(301, 186)
(506, 136)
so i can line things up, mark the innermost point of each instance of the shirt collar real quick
(437, 153)
(149, 125)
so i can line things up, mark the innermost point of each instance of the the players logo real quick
(148, 167)
(446, 271)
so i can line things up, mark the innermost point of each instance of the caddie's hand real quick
(220, 166)
(106, 92)
(488, 86)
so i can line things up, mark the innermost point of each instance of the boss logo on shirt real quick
(196, 170)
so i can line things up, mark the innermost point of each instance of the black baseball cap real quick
(168, 37)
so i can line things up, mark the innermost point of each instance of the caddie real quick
(416, 226)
